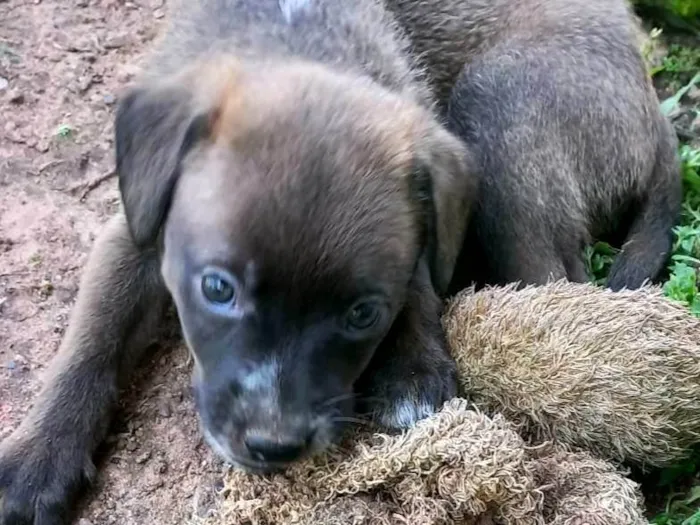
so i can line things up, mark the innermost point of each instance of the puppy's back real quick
(359, 36)
(447, 33)
(572, 144)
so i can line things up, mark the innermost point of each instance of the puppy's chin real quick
(224, 452)
(257, 468)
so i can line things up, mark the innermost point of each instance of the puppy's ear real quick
(444, 186)
(154, 127)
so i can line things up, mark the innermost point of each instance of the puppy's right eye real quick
(217, 290)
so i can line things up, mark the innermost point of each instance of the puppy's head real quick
(294, 205)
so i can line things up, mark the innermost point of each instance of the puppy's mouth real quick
(260, 468)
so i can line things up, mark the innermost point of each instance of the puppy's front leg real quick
(49, 456)
(412, 374)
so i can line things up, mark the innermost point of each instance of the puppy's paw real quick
(39, 478)
(401, 395)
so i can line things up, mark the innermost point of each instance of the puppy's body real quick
(287, 147)
(361, 38)
(571, 145)
(285, 180)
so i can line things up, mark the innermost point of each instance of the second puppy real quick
(571, 144)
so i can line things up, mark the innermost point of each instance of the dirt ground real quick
(63, 64)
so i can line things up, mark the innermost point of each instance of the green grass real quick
(678, 486)
(682, 284)
(684, 263)
(687, 9)
(65, 131)
(681, 510)
(681, 62)
(599, 258)
(682, 15)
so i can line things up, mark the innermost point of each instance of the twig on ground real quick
(49, 164)
(91, 185)
(18, 273)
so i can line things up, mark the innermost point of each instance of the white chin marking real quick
(290, 8)
(406, 413)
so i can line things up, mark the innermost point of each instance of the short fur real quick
(295, 144)
(290, 148)
(570, 141)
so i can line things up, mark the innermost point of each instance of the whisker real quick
(338, 399)
(372, 399)
(357, 397)
(355, 420)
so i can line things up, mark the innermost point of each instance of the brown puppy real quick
(571, 144)
(285, 180)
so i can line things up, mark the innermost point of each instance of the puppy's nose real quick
(263, 448)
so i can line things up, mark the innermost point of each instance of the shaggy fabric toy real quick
(615, 373)
(558, 368)
(458, 467)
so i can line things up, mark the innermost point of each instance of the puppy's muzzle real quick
(251, 423)
(277, 449)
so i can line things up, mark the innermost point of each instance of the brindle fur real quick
(315, 131)
(304, 154)
(571, 144)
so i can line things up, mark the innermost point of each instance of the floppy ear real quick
(154, 128)
(444, 185)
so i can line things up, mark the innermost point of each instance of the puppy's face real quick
(298, 207)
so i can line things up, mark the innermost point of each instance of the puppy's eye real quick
(216, 289)
(362, 316)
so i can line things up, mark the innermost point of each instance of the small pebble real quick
(11, 365)
(4, 83)
(20, 361)
(116, 41)
(154, 485)
(142, 458)
(85, 82)
(16, 96)
(164, 409)
(109, 99)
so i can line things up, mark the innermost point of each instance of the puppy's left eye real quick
(363, 316)
(217, 290)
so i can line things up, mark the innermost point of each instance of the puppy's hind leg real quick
(517, 247)
(649, 241)
(47, 459)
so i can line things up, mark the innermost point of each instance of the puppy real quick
(570, 144)
(286, 181)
